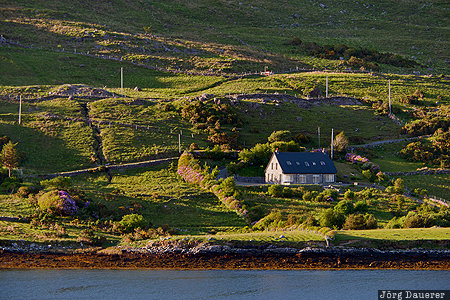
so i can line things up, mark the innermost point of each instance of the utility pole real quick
(332, 132)
(121, 81)
(390, 111)
(20, 108)
(318, 129)
(326, 89)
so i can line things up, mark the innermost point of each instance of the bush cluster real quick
(370, 170)
(423, 217)
(190, 170)
(211, 116)
(427, 125)
(355, 57)
(348, 216)
(435, 152)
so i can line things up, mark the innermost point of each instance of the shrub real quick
(259, 154)
(274, 219)
(310, 221)
(24, 191)
(399, 186)
(227, 187)
(369, 175)
(307, 196)
(360, 206)
(57, 202)
(301, 139)
(394, 223)
(414, 220)
(275, 190)
(360, 221)
(330, 193)
(340, 142)
(256, 212)
(331, 218)
(132, 221)
(349, 195)
(280, 136)
(193, 146)
(344, 207)
(286, 147)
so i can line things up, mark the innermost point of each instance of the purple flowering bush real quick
(58, 203)
(189, 169)
(366, 164)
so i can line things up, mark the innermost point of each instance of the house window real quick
(298, 163)
(288, 178)
(302, 178)
(272, 166)
(322, 163)
(288, 163)
(329, 177)
(314, 163)
(316, 178)
(271, 177)
(276, 166)
(306, 163)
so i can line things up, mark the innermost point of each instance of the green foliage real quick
(10, 184)
(256, 212)
(349, 195)
(286, 147)
(259, 154)
(307, 196)
(434, 153)
(132, 221)
(280, 136)
(344, 207)
(399, 186)
(356, 57)
(414, 220)
(361, 206)
(360, 221)
(9, 157)
(59, 182)
(274, 219)
(394, 223)
(369, 175)
(340, 142)
(227, 186)
(332, 218)
(275, 190)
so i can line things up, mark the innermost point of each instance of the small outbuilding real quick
(300, 168)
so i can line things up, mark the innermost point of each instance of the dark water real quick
(212, 284)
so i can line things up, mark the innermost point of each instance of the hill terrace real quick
(300, 168)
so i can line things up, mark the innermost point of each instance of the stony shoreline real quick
(206, 256)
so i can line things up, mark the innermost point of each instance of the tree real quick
(280, 136)
(399, 187)
(10, 157)
(340, 142)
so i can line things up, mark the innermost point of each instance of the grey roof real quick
(305, 163)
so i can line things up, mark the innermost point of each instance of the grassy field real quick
(240, 37)
(436, 185)
(388, 159)
(394, 238)
(162, 198)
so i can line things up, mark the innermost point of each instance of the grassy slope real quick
(232, 34)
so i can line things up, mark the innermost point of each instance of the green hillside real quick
(192, 80)
(236, 37)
